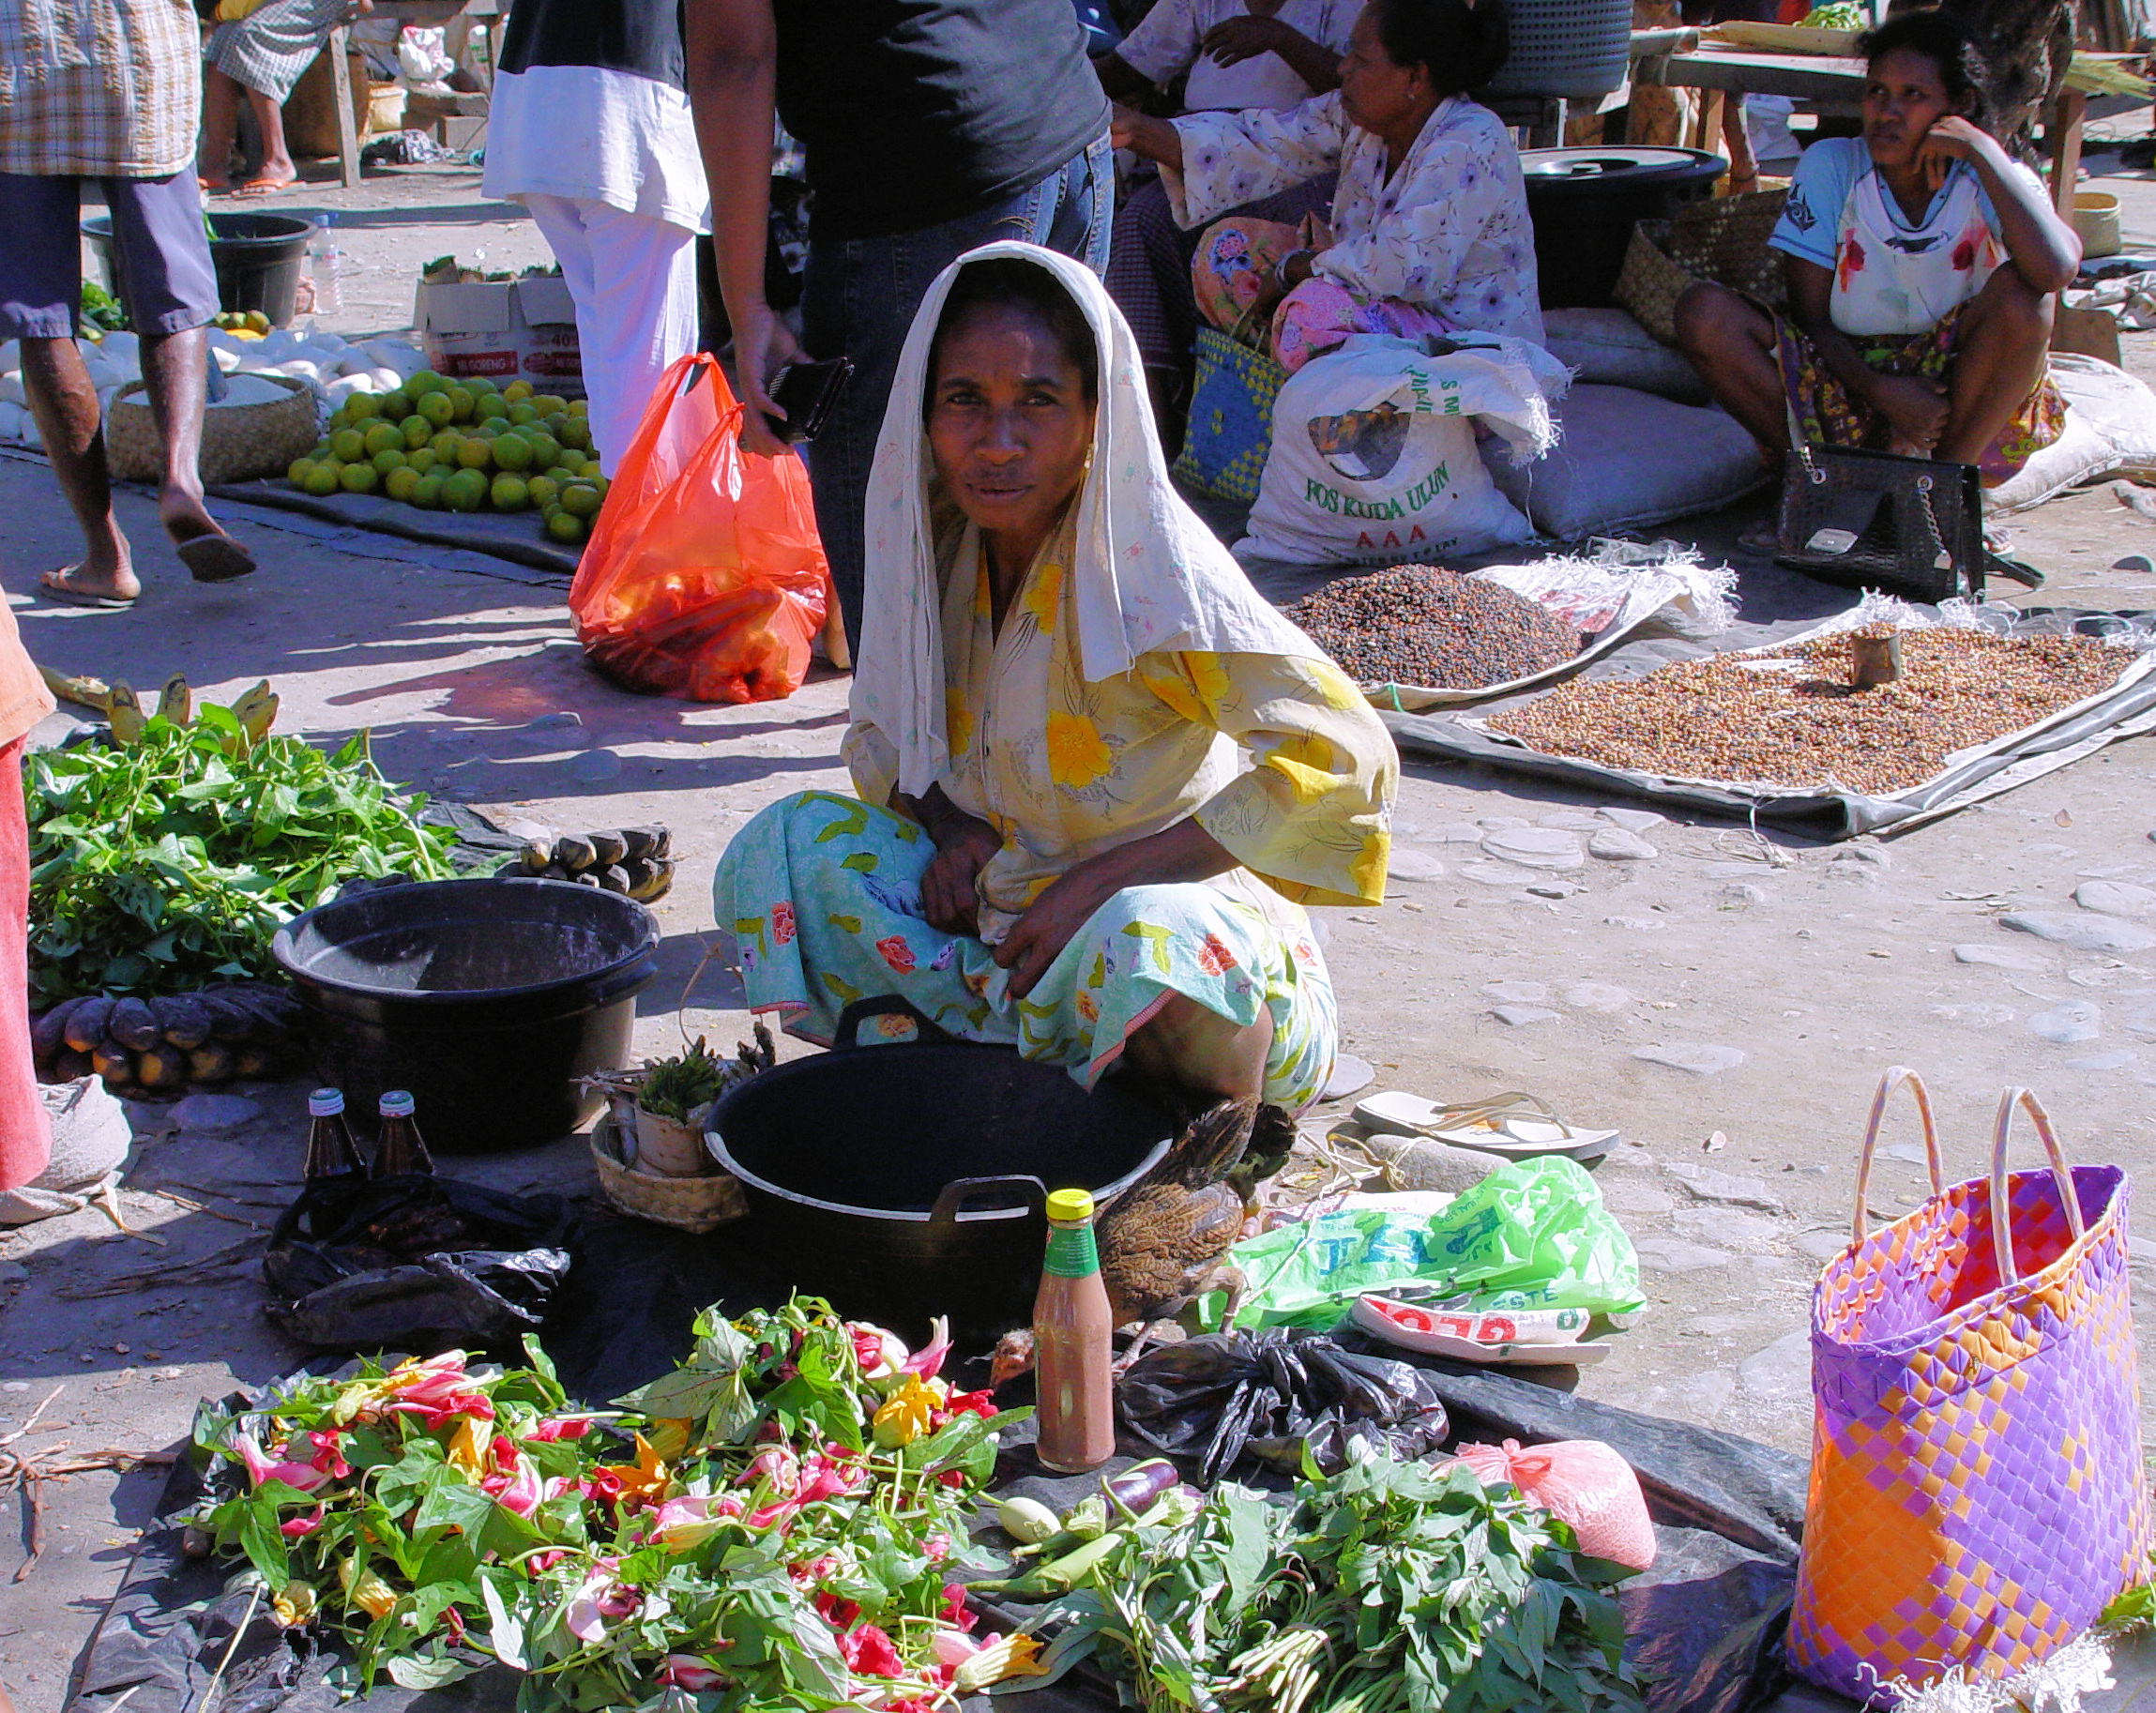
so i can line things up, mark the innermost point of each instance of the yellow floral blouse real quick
(1064, 769)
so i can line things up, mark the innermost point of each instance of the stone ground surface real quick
(1727, 986)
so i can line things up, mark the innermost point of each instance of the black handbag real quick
(1908, 526)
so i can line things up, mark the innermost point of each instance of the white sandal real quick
(1514, 1125)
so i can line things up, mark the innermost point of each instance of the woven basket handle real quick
(2061, 1175)
(1896, 1075)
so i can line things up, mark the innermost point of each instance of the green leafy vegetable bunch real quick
(167, 864)
(742, 1535)
(1390, 1587)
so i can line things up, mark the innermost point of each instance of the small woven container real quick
(1723, 238)
(239, 442)
(687, 1204)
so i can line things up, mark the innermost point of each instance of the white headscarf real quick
(1147, 574)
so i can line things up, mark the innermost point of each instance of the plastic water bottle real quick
(328, 261)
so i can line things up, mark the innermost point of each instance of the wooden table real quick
(1834, 86)
(418, 14)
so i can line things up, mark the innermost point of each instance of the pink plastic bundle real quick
(1581, 1481)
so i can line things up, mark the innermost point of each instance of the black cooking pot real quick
(905, 1180)
(1584, 202)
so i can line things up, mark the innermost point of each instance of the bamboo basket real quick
(687, 1204)
(239, 442)
(1723, 238)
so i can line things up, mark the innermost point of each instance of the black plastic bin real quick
(487, 998)
(1584, 202)
(258, 258)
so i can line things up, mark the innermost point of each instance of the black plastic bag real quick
(1270, 1395)
(414, 1263)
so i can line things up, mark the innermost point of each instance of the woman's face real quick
(1009, 424)
(1905, 95)
(1375, 93)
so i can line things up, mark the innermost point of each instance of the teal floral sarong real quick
(822, 894)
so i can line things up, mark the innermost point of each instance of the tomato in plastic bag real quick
(705, 577)
(1584, 1482)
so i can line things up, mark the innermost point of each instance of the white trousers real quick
(634, 282)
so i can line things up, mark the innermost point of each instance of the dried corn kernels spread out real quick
(1741, 718)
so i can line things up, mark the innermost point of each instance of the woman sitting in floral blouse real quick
(1057, 842)
(1430, 231)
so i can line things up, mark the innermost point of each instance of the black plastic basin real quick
(906, 1180)
(1584, 202)
(486, 998)
(258, 259)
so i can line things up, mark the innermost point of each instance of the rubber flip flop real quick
(214, 558)
(263, 187)
(2014, 571)
(68, 595)
(1513, 1125)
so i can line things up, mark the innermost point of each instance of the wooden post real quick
(339, 51)
(2065, 128)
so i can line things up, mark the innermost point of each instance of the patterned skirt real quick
(1828, 415)
(1235, 258)
(822, 894)
(270, 49)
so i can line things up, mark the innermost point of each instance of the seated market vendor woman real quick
(1430, 231)
(1922, 267)
(1057, 842)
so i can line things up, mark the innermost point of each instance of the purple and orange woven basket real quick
(1977, 1492)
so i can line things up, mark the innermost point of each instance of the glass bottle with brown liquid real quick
(330, 1150)
(399, 1152)
(1075, 1401)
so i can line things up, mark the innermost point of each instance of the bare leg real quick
(173, 368)
(65, 405)
(2003, 339)
(220, 120)
(277, 166)
(1188, 1047)
(1732, 346)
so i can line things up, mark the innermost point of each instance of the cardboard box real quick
(504, 330)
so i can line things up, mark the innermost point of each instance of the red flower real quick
(897, 953)
(838, 1613)
(505, 1450)
(1214, 957)
(1852, 261)
(782, 923)
(953, 1610)
(869, 1651)
(318, 1450)
(972, 1403)
(553, 1428)
(1965, 254)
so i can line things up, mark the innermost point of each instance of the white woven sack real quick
(90, 1141)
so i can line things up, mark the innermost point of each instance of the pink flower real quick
(521, 1491)
(680, 1524)
(601, 1599)
(319, 1450)
(539, 1564)
(816, 1570)
(686, 1671)
(296, 1528)
(554, 1428)
(838, 1613)
(436, 1388)
(927, 1361)
(782, 923)
(937, 1547)
(879, 1353)
(866, 1650)
(779, 1467)
(1214, 957)
(953, 1609)
(303, 1476)
(896, 953)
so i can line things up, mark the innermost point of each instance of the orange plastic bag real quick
(1584, 1482)
(705, 577)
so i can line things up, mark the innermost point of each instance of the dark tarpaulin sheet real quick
(517, 536)
(1706, 1621)
(1821, 814)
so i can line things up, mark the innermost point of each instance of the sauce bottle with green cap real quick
(1072, 1327)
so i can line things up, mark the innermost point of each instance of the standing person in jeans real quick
(932, 126)
(589, 128)
(109, 90)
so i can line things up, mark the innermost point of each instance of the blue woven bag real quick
(1230, 426)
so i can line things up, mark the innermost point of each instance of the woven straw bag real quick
(1977, 1492)
(1723, 238)
(687, 1204)
(239, 442)
(1230, 426)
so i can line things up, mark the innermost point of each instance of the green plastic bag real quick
(1533, 1234)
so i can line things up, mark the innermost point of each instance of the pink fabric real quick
(1318, 315)
(26, 1133)
(1236, 258)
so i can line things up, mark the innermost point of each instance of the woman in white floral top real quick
(1430, 230)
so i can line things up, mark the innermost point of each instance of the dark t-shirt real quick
(916, 111)
(639, 36)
